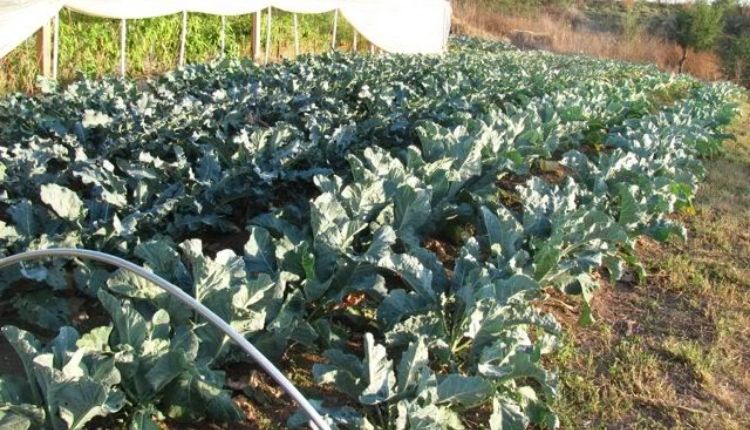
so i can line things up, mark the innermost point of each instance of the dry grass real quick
(473, 19)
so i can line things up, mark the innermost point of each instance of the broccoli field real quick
(396, 220)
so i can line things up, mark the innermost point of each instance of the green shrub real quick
(736, 58)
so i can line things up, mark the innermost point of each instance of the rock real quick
(627, 327)
(523, 39)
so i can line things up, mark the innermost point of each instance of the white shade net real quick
(399, 26)
(409, 27)
(19, 19)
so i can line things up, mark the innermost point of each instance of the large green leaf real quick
(63, 201)
(465, 391)
(259, 252)
(414, 359)
(26, 347)
(130, 327)
(43, 308)
(21, 417)
(378, 374)
(507, 415)
(22, 214)
(73, 385)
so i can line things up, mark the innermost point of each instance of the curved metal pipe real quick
(185, 298)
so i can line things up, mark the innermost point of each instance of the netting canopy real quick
(399, 26)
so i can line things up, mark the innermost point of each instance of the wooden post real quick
(183, 38)
(356, 39)
(446, 31)
(44, 49)
(223, 36)
(295, 23)
(335, 28)
(255, 36)
(268, 36)
(123, 46)
(55, 45)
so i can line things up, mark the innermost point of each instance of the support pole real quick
(295, 21)
(223, 35)
(55, 45)
(446, 28)
(268, 36)
(183, 38)
(255, 36)
(355, 41)
(335, 28)
(123, 46)
(43, 49)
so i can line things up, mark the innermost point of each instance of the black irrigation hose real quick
(172, 289)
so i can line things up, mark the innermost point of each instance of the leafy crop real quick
(396, 216)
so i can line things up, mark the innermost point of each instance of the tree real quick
(737, 58)
(734, 46)
(697, 27)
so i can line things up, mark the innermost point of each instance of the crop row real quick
(396, 216)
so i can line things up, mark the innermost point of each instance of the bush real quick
(734, 47)
(736, 58)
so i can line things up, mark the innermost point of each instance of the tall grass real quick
(90, 46)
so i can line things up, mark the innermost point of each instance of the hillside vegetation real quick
(394, 230)
(637, 31)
